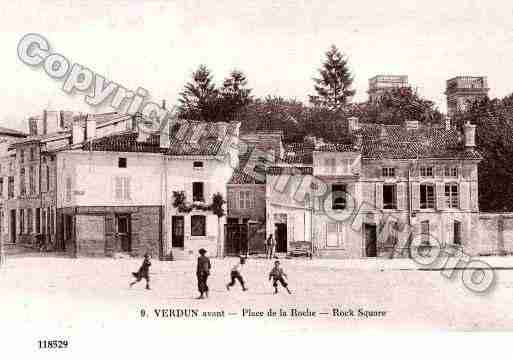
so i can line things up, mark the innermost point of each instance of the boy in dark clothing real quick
(278, 275)
(202, 272)
(236, 273)
(144, 272)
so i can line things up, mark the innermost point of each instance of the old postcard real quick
(192, 177)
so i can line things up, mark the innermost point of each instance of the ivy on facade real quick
(180, 202)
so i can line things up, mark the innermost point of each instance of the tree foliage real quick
(494, 131)
(333, 87)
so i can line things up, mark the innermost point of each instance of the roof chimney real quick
(412, 125)
(77, 132)
(469, 131)
(447, 123)
(353, 124)
(90, 127)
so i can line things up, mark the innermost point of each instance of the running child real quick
(143, 272)
(278, 275)
(236, 273)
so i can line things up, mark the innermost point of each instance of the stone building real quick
(356, 198)
(135, 191)
(381, 84)
(463, 90)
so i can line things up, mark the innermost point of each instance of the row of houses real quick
(103, 184)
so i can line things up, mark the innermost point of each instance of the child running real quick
(143, 272)
(277, 275)
(236, 273)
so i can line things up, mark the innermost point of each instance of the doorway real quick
(177, 232)
(281, 237)
(123, 232)
(369, 231)
(13, 225)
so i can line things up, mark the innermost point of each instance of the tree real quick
(234, 95)
(198, 101)
(218, 209)
(333, 87)
(494, 130)
(395, 107)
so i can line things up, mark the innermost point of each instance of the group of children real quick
(277, 275)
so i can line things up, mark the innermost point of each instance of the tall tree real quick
(234, 95)
(333, 87)
(199, 99)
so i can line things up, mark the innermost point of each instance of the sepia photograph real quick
(296, 178)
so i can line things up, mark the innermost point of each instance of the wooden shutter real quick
(118, 188)
(415, 196)
(474, 196)
(379, 195)
(464, 195)
(126, 188)
(440, 196)
(401, 196)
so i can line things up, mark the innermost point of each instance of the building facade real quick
(381, 84)
(377, 196)
(463, 90)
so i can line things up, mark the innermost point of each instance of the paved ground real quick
(65, 292)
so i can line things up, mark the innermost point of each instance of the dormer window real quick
(388, 171)
(426, 171)
(197, 165)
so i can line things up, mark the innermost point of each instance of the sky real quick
(279, 45)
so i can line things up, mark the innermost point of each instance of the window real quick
(198, 226)
(197, 192)
(68, 189)
(122, 162)
(427, 196)
(426, 171)
(389, 196)
(1, 186)
(331, 165)
(424, 231)
(10, 187)
(457, 232)
(47, 178)
(22, 182)
(451, 172)
(334, 234)
(197, 165)
(245, 201)
(22, 221)
(122, 188)
(452, 195)
(388, 171)
(30, 220)
(338, 196)
(38, 220)
(32, 180)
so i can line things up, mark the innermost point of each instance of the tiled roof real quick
(241, 175)
(200, 138)
(397, 142)
(279, 170)
(298, 153)
(336, 147)
(11, 132)
(123, 142)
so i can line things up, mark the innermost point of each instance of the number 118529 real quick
(52, 344)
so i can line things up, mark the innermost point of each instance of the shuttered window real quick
(427, 195)
(389, 196)
(452, 195)
(122, 189)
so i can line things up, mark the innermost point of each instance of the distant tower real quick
(380, 84)
(463, 90)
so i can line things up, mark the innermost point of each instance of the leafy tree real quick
(333, 87)
(234, 94)
(199, 100)
(494, 130)
(395, 107)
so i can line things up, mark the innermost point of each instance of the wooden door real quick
(124, 232)
(177, 231)
(281, 237)
(370, 240)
